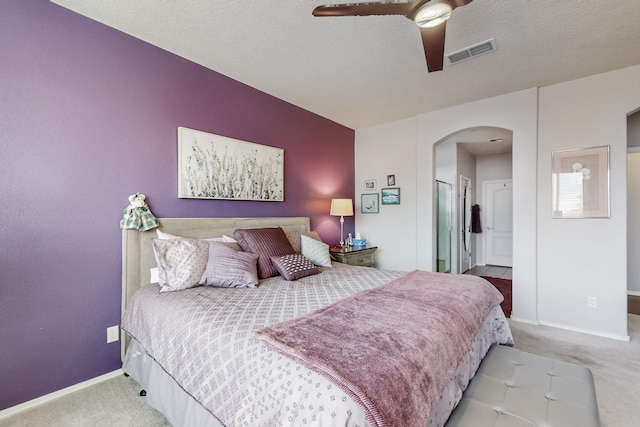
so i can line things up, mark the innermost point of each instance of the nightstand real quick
(354, 255)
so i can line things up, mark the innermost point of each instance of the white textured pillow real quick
(316, 251)
(166, 236)
(294, 238)
(154, 276)
(182, 261)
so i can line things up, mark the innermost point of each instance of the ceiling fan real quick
(430, 15)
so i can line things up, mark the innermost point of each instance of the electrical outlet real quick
(592, 302)
(113, 334)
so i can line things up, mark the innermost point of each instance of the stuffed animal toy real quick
(137, 215)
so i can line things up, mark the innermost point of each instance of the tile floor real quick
(491, 271)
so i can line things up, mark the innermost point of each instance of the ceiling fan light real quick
(432, 14)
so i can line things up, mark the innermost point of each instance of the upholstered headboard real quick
(137, 252)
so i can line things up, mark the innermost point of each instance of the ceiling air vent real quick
(475, 50)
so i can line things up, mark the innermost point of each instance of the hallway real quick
(491, 271)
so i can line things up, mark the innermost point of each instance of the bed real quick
(235, 376)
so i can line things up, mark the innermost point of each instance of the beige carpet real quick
(112, 403)
(615, 366)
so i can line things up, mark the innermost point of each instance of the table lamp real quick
(341, 208)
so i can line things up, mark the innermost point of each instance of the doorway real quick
(469, 156)
(498, 202)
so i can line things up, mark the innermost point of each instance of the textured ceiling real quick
(362, 71)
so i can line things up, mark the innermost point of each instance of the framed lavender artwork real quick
(580, 181)
(217, 167)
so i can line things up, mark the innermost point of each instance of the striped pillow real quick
(266, 243)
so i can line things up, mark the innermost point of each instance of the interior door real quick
(498, 201)
(465, 223)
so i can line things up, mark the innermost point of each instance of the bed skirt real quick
(163, 393)
(181, 409)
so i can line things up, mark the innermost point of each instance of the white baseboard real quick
(527, 321)
(634, 293)
(56, 394)
(587, 331)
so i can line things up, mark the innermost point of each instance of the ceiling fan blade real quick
(433, 43)
(366, 9)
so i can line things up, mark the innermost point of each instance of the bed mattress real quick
(197, 347)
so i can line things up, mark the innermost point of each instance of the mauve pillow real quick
(264, 242)
(227, 268)
(294, 266)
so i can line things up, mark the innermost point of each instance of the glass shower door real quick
(444, 226)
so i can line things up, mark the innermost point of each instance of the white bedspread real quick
(202, 337)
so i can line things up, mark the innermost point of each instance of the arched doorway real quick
(465, 160)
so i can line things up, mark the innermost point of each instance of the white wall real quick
(380, 151)
(517, 112)
(578, 258)
(557, 263)
(383, 144)
(489, 168)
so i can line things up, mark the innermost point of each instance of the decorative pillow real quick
(264, 242)
(316, 251)
(182, 261)
(294, 266)
(166, 236)
(227, 268)
(153, 275)
(294, 238)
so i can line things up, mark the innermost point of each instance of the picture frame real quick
(391, 196)
(370, 203)
(370, 185)
(217, 167)
(391, 180)
(580, 183)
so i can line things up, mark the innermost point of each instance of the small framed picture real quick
(370, 185)
(391, 196)
(391, 180)
(369, 203)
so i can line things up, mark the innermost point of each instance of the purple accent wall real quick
(88, 116)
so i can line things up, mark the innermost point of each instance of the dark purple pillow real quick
(266, 243)
(293, 267)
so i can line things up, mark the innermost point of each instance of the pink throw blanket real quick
(394, 348)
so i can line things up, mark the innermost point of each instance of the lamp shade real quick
(341, 207)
